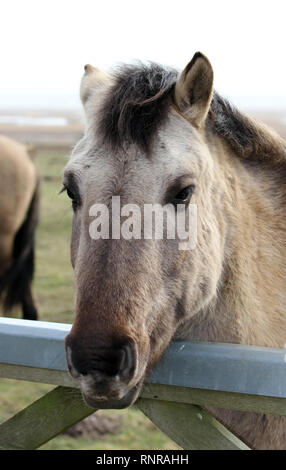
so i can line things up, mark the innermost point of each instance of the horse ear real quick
(92, 79)
(193, 90)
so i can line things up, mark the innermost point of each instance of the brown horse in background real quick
(19, 206)
(156, 136)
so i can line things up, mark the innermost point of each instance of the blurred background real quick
(44, 47)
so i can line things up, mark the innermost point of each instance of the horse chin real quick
(113, 403)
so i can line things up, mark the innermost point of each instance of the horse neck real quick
(250, 307)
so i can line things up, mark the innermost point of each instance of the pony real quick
(19, 210)
(157, 136)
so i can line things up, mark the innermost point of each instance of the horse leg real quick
(16, 276)
(6, 252)
(20, 290)
(29, 308)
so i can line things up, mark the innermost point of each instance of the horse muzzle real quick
(116, 402)
(107, 376)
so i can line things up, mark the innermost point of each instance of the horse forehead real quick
(135, 171)
(177, 146)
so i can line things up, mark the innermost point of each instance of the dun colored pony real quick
(156, 136)
(19, 197)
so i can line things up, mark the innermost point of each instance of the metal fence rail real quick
(189, 375)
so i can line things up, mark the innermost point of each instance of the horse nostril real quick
(74, 373)
(85, 360)
(126, 365)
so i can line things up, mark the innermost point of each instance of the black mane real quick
(245, 136)
(136, 105)
(237, 129)
(138, 102)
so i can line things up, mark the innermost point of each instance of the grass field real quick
(53, 288)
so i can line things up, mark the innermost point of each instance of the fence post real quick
(190, 426)
(44, 419)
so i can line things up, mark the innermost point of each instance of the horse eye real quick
(71, 195)
(185, 194)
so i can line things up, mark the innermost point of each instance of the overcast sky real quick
(45, 44)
